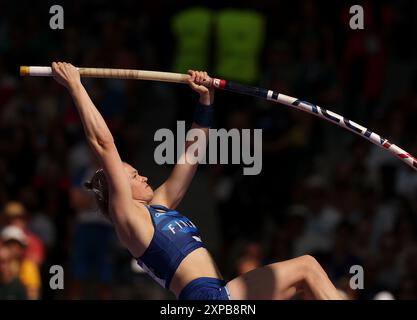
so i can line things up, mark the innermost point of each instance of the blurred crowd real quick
(322, 191)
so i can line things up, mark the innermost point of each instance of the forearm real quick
(172, 191)
(96, 130)
(194, 149)
(199, 132)
(204, 141)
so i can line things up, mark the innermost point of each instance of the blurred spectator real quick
(240, 36)
(39, 223)
(343, 257)
(250, 258)
(16, 241)
(389, 272)
(322, 218)
(407, 289)
(282, 241)
(192, 28)
(17, 216)
(91, 254)
(11, 288)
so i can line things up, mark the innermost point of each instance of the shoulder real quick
(136, 232)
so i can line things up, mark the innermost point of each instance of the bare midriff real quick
(197, 264)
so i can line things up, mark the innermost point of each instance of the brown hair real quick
(98, 185)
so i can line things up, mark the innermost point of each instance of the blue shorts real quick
(205, 289)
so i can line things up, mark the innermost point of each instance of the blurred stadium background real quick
(322, 190)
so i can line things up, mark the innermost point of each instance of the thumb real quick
(194, 86)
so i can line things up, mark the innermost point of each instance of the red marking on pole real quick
(386, 145)
(222, 84)
(414, 159)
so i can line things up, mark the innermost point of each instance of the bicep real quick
(171, 192)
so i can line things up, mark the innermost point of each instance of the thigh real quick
(271, 282)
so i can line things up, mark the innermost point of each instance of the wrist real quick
(205, 100)
(203, 115)
(74, 87)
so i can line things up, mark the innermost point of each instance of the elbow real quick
(101, 146)
(102, 143)
(106, 141)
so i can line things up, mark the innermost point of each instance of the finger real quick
(192, 73)
(201, 76)
(194, 86)
(57, 68)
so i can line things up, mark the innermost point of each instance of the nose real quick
(144, 179)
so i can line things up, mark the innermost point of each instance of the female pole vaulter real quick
(166, 244)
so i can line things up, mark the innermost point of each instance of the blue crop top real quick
(174, 238)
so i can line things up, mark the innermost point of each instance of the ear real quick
(88, 185)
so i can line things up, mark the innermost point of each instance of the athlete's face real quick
(141, 190)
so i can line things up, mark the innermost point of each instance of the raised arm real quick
(171, 192)
(100, 140)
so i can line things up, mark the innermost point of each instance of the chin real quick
(150, 197)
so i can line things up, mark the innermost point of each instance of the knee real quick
(309, 260)
(311, 265)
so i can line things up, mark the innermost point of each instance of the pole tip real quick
(24, 70)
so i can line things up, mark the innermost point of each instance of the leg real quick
(282, 280)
